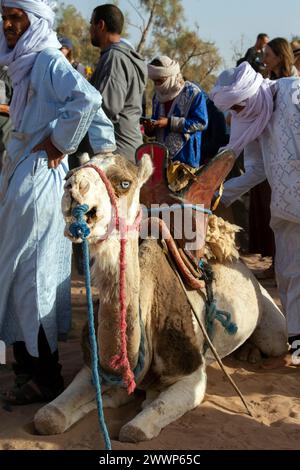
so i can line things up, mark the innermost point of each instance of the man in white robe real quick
(52, 108)
(266, 123)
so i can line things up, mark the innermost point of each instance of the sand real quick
(219, 423)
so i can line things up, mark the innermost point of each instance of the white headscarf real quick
(21, 58)
(243, 86)
(174, 83)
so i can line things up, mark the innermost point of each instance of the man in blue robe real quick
(179, 112)
(52, 108)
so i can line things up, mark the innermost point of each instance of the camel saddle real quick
(198, 189)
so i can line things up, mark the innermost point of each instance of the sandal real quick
(29, 393)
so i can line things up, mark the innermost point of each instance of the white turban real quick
(170, 70)
(21, 58)
(39, 8)
(243, 86)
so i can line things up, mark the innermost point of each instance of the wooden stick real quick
(214, 351)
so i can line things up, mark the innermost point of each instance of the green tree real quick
(198, 59)
(71, 24)
(157, 17)
(163, 30)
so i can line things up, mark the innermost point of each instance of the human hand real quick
(162, 122)
(54, 155)
(148, 126)
(4, 109)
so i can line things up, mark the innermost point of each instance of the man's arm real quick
(196, 119)
(112, 83)
(114, 94)
(81, 108)
(254, 174)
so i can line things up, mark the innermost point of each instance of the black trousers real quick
(45, 370)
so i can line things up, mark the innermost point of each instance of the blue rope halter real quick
(79, 229)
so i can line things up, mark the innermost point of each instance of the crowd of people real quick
(50, 113)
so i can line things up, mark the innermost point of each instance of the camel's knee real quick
(151, 395)
(271, 341)
(270, 335)
(170, 405)
(115, 397)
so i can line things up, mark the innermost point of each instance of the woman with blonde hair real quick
(279, 59)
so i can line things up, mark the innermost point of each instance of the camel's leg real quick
(170, 405)
(248, 352)
(74, 403)
(270, 335)
(151, 395)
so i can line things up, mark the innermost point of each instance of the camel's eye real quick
(125, 184)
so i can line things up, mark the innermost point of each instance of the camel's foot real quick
(132, 432)
(50, 420)
(248, 352)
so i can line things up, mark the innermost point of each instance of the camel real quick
(174, 372)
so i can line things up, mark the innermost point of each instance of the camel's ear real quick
(210, 178)
(145, 169)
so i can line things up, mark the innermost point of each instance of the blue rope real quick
(212, 313)
(79, 229)
(158, 210)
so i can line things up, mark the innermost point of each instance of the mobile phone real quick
(145, 118)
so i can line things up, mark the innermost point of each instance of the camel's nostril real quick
(91, 215)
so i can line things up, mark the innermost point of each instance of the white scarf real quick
(243, 86)
(174, 82)
(21, 58)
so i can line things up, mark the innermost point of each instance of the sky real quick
(226, 21)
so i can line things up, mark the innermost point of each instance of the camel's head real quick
(85, 186)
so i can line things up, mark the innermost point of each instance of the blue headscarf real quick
(21, 58)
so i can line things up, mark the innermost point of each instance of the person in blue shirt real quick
(179, 113)
(52, 108)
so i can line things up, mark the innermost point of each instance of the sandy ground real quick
(219, 423)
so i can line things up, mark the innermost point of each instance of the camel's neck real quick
(106, 278)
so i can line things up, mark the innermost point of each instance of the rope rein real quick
(79, 229)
